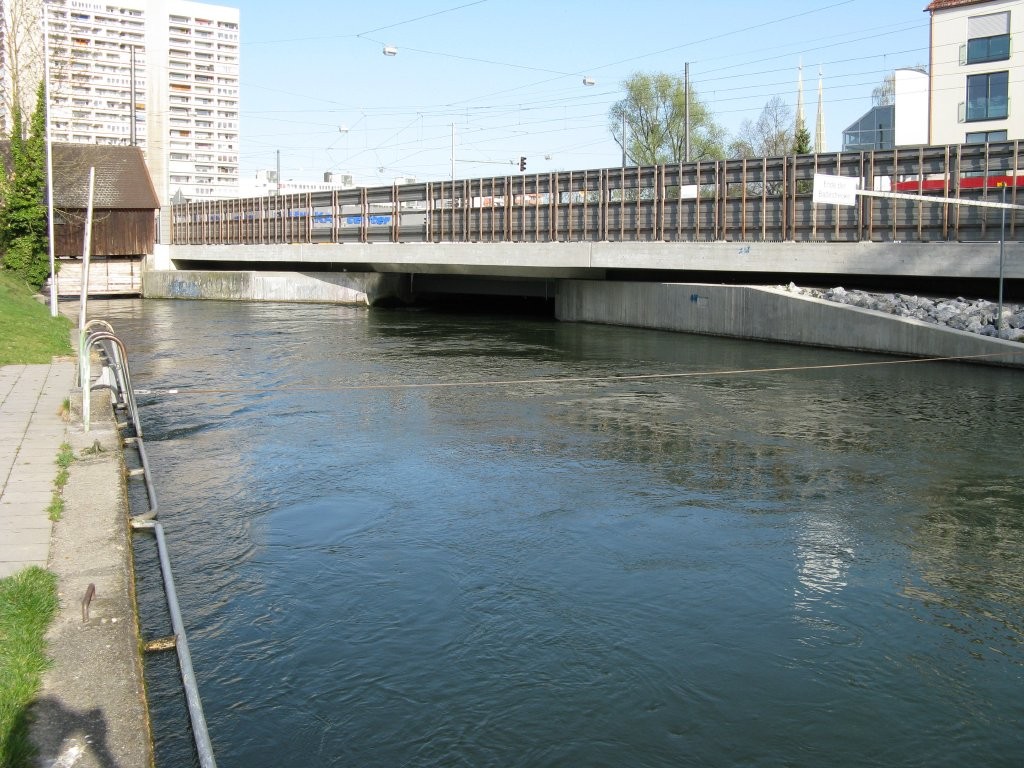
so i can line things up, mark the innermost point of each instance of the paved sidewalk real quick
(31, 433)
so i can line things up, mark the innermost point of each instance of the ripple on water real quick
(813, 568)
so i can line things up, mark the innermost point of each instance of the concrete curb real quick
(92, 709)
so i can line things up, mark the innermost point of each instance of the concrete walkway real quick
(32, 430)
(91, 709)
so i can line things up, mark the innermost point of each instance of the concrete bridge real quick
(561, 236)
(727, 220)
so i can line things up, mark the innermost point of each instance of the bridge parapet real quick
(740, 200)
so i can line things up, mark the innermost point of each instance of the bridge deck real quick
(761, 200)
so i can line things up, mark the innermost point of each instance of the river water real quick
(404, 538)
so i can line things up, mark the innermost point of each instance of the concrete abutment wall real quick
(767, 314)
(362, 288)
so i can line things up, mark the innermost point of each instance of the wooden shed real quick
(124, 200)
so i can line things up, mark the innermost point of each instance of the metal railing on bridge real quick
(763, 199)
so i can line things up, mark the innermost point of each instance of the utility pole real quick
(453, 151)
(132, 52)
(686, 112)
(278, 179)
(623, 139)
(1002, 243)
(132, 140)
(49, 164)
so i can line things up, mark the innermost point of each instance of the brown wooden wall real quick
(114, 232)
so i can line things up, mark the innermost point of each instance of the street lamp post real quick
(132, 67)
(1002, 243)
(49, 163)
(131, 90)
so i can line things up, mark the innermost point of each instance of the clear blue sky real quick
(508, 74)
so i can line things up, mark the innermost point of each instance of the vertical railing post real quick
(835, 213)
(743, 200)
(696, 207)
(863, 201)
(764, 199)
(892, 186)
(604, 203)
(1013, 193)
(814, 208)
(959, 186)
(984, 193)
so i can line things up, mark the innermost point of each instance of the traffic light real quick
(522, 163)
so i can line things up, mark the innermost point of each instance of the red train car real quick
(965, 182)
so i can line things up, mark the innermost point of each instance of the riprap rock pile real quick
(977, 316)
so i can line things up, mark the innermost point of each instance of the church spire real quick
(800, 119)
(819, 126)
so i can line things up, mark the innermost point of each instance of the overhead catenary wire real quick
(719, 89)
(640, 56)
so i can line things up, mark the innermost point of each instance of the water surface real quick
(818, 566)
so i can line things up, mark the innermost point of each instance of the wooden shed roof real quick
(122, 178)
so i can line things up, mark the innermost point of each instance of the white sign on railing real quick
(843, 190)
(837, 190)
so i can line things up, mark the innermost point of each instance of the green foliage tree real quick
(23, 222)
(801, 139)
(653, 115)
(802, 146)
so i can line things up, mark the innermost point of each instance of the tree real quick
(21, 49)
(884, 93)
(772, 135)
(801, 139)
(653, 114)
(23, 213)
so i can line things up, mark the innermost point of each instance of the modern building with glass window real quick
(160, 74)
(976, 77)
(968, 92)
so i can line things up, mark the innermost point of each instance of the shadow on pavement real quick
(65, 736)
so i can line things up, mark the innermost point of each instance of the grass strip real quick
(65, 457)
(55, 509)
(28, 603)
(30, 335)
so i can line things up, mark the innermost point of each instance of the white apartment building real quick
(976, 74)
(264, 182)
(183, 102)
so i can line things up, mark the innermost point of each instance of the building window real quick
(983, 137)
(988, 38)
(987, 96)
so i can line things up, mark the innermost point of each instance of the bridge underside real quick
(526, 268)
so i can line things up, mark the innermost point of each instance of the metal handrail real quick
(85, 362)
(120, 368)
(147, 521)
(147, 478)
(188, 676)
(96, 321)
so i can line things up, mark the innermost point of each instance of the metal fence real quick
(123, 396)
(745, 200)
